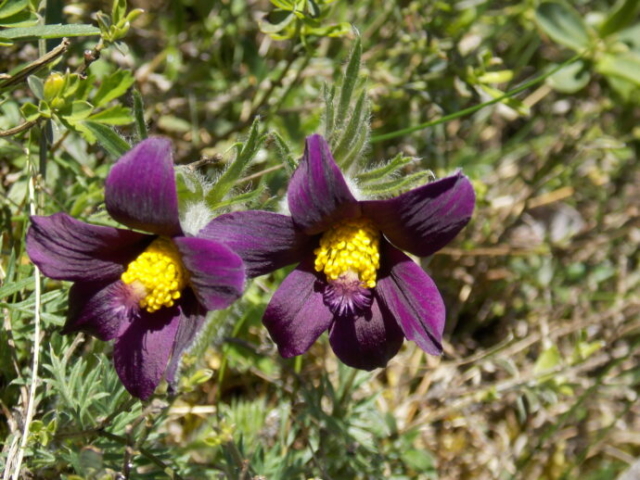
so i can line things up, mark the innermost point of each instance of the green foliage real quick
(564, 25)
(301, 17)
(605, 46)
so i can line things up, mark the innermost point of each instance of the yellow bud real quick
(53, 86)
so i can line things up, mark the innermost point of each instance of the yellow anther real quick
(160, 271)
(350, 246)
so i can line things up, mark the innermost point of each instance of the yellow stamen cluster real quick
(350, 246)
(160, 271)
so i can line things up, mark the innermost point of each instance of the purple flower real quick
(148, 291)
(352, 278)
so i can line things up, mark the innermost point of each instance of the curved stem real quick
(475, 108)
(18, 129)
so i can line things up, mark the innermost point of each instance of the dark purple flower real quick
(148, 291)
(352, 278)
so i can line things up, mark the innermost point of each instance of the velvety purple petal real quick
(192, 316)
(67, 249)
(140, 191)
(102, 310)
(265, 241)
(367, 341)
(318, 194)
(216, 273)
(296, 315)
(425, 219)
(141, 353)
(412, 298)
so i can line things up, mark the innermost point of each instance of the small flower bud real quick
(53, 86)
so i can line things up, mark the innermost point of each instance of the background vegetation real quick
(539, 379)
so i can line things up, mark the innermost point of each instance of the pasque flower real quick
(148, 291)
(352, 278)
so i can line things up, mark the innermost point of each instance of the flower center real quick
(158, 274)
(347, 248)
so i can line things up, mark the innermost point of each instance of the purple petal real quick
(104, 311)
(140, 191)
(367, 341)
(192, 316)
(216, 273)
(412, 298)
(265, 241)
(67, 249)
(318, 194)
(296, 315)
(425, 219)
(141, 353)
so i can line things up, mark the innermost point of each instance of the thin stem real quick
(18, 129)
(475, 108)
(36, 335)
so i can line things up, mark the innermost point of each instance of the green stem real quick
(475, 108)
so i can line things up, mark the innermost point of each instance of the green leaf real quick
(138, 113)
(243, 198)
(548, 360)
(50, 31)
(397, 185)
(118, 11)
(631, 36)
(79, 111)
(563, 24)
(359, 120)
(284, 152)
(274, 28)
(359, 146)
(284, 4)
(328, 94)
(571, 78)
(389, 168)
(13, 287)
(622, 15)
(112, 87)
(624, 65)
(19, 20)
(30, 111)
(237, 167)
(15, 14)
(116, 115)
(332, 31)
(421, 461)
(107, 138)
(37, 86)
(8, 8)
(622, 87)
(348, 83)
(501, 76)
